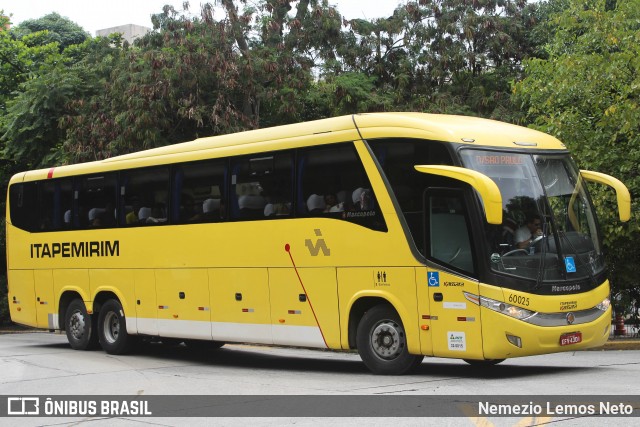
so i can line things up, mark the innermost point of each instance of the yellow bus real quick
(390, 233)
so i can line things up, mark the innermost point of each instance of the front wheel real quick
(80, 327)
(112, 329)
(382, 342)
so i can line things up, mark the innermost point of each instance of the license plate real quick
(572, 338)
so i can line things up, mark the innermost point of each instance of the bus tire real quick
(382, 343)
(80, 327)
(112, 329)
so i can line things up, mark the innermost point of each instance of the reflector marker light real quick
(295, 312)
(247, 310)
(163, 307)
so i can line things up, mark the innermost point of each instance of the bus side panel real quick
(456, 326)
(183, 303)
(46, 307)
(240, 309)
(396, 285)
(146, 302)
(22, 297)
(294, 312)
(121, 283)
(68, 280)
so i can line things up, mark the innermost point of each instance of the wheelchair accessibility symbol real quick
(433, 278)
(570, 264)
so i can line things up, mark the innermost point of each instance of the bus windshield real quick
(549, 226)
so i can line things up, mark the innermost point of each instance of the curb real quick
(620, 345)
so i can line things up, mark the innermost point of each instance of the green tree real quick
(452, 56)
(199, 76)
(58, 29)
(31, 131)
(587, 93)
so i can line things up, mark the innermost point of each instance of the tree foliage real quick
(587, 93)
(57, 29)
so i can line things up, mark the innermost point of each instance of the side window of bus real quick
(42, 206)
(333, 183)
(54, 204)
(448, 230)
(23, 199)
(262, 186)
(198, 194)
(398, 156)
(97, 201)
(145, 196)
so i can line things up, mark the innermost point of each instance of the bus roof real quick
(459, 129)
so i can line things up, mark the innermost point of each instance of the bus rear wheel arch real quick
(382, 342)
(112, 329)
(80, 326)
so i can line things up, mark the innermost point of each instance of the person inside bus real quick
(95, 217)
(526, 234)
(332, 204)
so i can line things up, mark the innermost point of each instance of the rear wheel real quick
(112, 329)
(382, 342)
(80, 327)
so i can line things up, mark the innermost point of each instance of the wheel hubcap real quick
(111, 327)
(387, 340)
(77, 325)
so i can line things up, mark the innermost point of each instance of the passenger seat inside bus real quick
(251, 206)
(315, 204)
(211, 210)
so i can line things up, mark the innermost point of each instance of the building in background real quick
(130, 32)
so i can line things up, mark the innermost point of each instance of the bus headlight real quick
(604, 305)
(501, 307)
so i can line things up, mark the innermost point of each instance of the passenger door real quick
(455, 321)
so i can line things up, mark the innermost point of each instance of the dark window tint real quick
(333, 183)
(398, 158)
(262, 186)
(55, 204)
(448, 230)
(23, 199)
(145, 196)
(42, 206)
(96, 201)
(199, 192)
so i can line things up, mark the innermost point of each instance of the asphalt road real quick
(44, 364)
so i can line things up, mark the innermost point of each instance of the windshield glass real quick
(549, 228)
